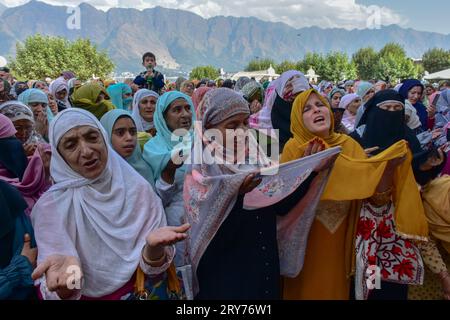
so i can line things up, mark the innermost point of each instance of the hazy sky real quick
(430, 15)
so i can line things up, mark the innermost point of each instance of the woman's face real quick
(316, 116)
(147, 108)
(328, 89)
(354, 106)
(188, 89)
(37, 108)
(52, 103)
(24, 130)
(178, 115)
(124, 136)
(335, 100)
(84, 150)
(369, 95)
(391, 106)
(61, 95)
(41, 86)
(238, 126)
(415, 94)
(429, 91)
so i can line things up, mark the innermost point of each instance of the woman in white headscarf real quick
(60, 90)
(101, 220)
(144, 106)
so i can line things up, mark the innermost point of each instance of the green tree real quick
(315, 61)
(392, 48)
(393, 68)
(436, 59)
(260, 64)
(285, 66)
(44, 56)
(339, 67)
(366, 60)
(202, 72)
(393, 64)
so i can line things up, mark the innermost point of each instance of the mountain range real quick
(182, 39)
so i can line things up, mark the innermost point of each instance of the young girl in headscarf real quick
(122, 134)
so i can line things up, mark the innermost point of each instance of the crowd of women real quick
(98, 201)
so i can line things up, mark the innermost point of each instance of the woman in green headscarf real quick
(122, 132)
(121, 95)
(93, 98)
(165, 153)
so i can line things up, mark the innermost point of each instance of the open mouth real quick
(319, 119)
(185, 124)
(91, 164)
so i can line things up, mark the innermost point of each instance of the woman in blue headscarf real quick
(122, 132)
(165, 153)
(412, 90)
(37, 101)
(121, 95)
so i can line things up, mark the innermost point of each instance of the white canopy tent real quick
(441, 75)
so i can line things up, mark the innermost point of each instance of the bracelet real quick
(153, 262)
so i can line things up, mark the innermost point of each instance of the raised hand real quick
(157, 240)
(63, 275)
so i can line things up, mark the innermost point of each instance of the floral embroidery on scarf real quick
(377, 244)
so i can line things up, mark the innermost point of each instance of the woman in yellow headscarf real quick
(93, 98)
(340, 243)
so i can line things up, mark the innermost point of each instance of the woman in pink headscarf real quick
(197, 97)
(30, 175)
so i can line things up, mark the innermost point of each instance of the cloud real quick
(297, 13)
